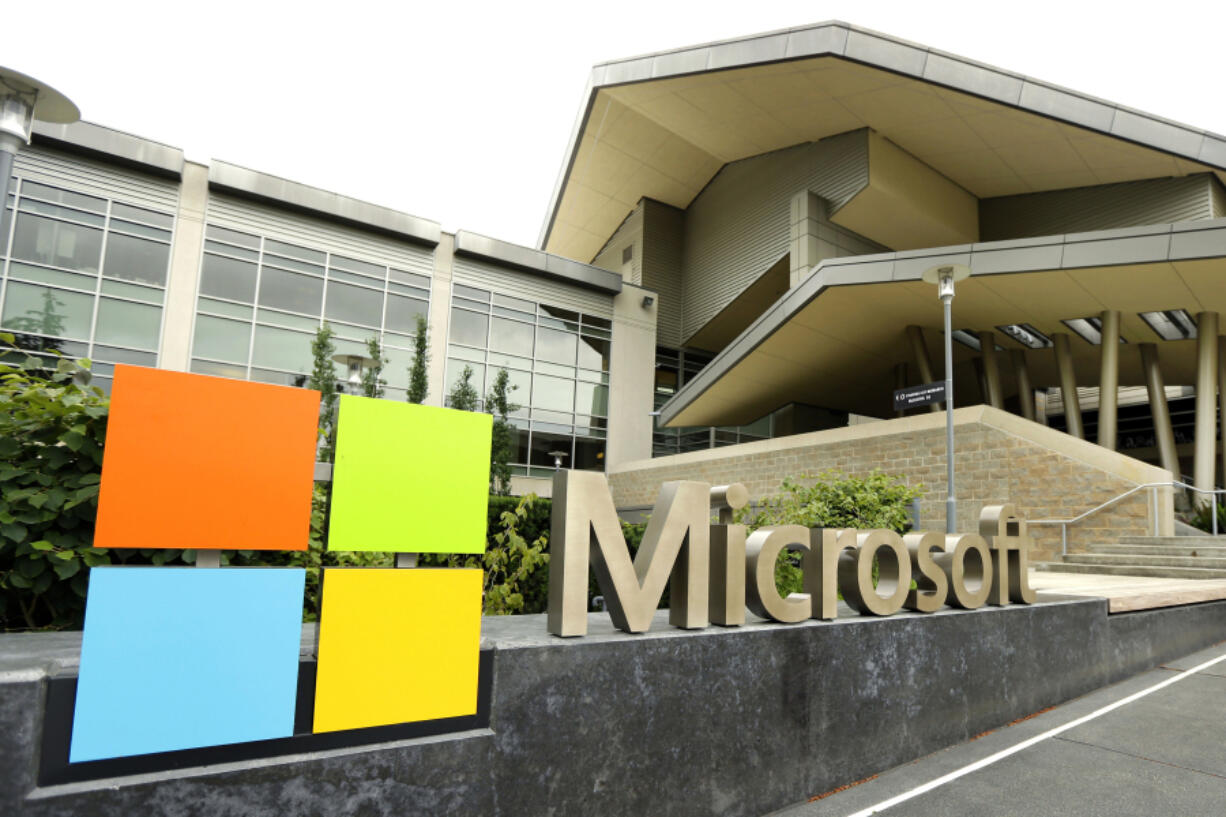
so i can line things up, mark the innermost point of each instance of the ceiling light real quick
(1090, 329)
(1026, 335)
(1171, 324)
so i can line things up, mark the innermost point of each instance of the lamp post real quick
(22, 101)
(944, 276)
(355, 365)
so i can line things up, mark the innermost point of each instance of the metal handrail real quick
(1153, 489)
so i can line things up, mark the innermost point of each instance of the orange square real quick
(193, 461)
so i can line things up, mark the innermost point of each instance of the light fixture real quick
(967, 338)
(1171, 324)
(24, 101)
(1026, 335)
(1088, 329)
(355, 365)
(557, 458)
(648, 300)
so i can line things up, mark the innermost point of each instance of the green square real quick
(409, 478)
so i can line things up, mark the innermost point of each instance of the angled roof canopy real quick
(833, 339)
(662, 125)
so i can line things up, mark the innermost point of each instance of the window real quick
(86, 275)
(557, 361)
(294, 289)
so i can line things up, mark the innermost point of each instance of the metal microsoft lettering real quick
(715, 571)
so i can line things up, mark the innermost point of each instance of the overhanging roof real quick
(833, 340)
(662, 125)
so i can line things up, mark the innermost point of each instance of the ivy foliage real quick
(52, 428)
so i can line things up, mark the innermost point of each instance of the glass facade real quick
(675, 368)
(84, 275)
(557, 359)
(261, 301)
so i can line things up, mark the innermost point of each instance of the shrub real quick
(1201, 518)
(833, 500)
(51, 433)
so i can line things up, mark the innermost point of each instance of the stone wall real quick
(718, 722)
(999, 457)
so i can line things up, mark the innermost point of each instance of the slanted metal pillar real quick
(920, 347)
(1221, 390)
(1163, 433)
(1068, 385)
(1109, 380)
(1025, 390)
(1205, 446)
(991, 372)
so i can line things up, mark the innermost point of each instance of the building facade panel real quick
(1084, 209)
(739, 226)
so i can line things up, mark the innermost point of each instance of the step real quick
(1126, 570)
(1212, 552)
(1176, 541)
(1145, 561)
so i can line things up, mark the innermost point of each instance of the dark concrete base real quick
(720, 721)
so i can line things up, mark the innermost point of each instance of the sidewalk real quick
(1127, 593)
(1162, 752)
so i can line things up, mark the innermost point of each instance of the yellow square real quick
(397, 645)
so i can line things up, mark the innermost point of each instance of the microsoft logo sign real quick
(178, 657)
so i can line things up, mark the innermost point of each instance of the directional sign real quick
(918, 396)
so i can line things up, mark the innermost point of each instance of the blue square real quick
(183, 657)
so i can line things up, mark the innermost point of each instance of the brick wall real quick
(999, 458)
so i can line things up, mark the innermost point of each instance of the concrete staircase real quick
(1166, 557)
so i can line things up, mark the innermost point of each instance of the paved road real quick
(1162, 753)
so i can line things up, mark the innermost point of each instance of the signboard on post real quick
(921, 395)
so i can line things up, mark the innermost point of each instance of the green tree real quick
(464, 395)
(46, 322)
(419, 386)
(372, 381)
(502, 443)
(323, 380)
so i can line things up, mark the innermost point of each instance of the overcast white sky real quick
(460, 111)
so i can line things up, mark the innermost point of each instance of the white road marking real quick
(1026, 744)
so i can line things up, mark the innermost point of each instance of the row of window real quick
(261, 301)
(557, 361)
(675, 368)
(84, 275)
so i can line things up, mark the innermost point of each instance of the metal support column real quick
(1025, 390)
(1221, 390)
(1109, 380)
(991, 371)
(920, 347)
(1068, 385)
(951, 502)
(1204, 460)
(1164, 435)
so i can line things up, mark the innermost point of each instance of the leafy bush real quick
(51, 435)
(833, 500)
(1202, 519)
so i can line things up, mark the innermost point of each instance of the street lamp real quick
(944, 276)
(22, 101)
(355, 364)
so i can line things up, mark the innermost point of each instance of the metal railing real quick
(1152, 487)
